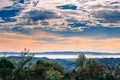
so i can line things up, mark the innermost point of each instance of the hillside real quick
(68, 63)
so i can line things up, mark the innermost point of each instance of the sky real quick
(60, 25)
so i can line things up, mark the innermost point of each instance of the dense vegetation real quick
(85, 69)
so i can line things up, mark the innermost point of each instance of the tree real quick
(50, 65)
(6, 63)
(83, 73)
(6, 68)
(80, 61)
(0, 78)
(91, 70)
(53, 75)
(25, 58)
(96, 69)
(71, 75)
(42, 66)
(116, 71)
(108, 73)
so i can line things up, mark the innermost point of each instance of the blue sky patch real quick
(41, 15)
(68, 6)
(9, 13)
(74, 25)
(5, 20)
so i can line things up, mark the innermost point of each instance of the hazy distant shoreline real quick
(63, 55)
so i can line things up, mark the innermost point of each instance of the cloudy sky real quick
(60, 25)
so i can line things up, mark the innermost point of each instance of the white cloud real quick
(4, 3)
(83, 14)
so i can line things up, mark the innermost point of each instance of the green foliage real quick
(6, 68)
(53, 75)
(6, 63)
(91, 69)
(50, 65)
(80, 61)
(87, 69)
(25, 58)
(90, 63)
(41, 67)
(70, 75)
(116, 71)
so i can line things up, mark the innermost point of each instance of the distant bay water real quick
(65, 55)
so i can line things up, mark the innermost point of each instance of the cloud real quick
(22, 30)
(67, 6)
(115, 2)
(92, 32)
(96, 32)
(72, 20)
(107, 16)
(8, 14)
(4, 3)
(83, 19)
(46, 39)
(41, 15)
(61, 24)
(44, 23)
(6, 20)
(18, 29)
(74, 25)
(106, 5)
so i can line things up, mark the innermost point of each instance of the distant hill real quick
(68, 63)
(66, 53)
(75, 53)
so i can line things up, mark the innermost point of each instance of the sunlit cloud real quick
(90, 25)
